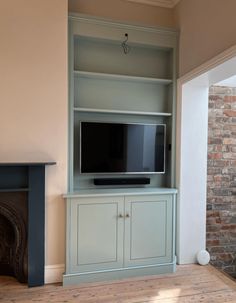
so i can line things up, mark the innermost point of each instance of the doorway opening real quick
(192, 149)
(221, 177)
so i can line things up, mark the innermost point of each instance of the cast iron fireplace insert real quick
(24, 231)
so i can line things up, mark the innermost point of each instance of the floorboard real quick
(190, 283)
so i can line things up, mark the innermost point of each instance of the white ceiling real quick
(162, 3)
(231, 82)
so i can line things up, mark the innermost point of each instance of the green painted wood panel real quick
(148, 230)
(103, 243)
(96, 233)
(105, 56)
(106, 29)
(122, 192)
(120, 95)
(117, 274)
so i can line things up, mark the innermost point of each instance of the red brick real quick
(229, 127)
(226, 257)
(229, 99)
(217, 148)
(221, 179)
(215, 156)
(231, 227)
(213, 213)
(229, 141)
(217, 178)
(230, 113)
(215, 97)
(229, 156)
(211, 221)
(218, 220)
(213, 228)
(215, 141)
(221, 163)
(212, 242)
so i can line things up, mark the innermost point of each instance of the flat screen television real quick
(122, 148)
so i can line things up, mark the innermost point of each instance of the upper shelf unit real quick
(108, 80)
(105, 78)
(109, 84)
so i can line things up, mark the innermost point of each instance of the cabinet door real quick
(148, 230)
(96, 234)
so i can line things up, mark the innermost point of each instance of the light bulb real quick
(203, 257)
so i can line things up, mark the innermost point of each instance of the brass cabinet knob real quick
(127, 215)
(120, 216)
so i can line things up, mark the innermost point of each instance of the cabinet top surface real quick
(25, 163)
(99, 20)
(120, 192)
(87, 26)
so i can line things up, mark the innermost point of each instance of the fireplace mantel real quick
(27, 163)
(30, 177)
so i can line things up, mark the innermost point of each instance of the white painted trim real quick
(207, 66)
(192, 155)
(192, 100)
(230, 82)
(53, 273)
(161, 3)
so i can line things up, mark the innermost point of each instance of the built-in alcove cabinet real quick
(113, 234)
(108, 85)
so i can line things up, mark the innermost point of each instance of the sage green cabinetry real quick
(117, 235)
(107, 85)
(148, 230)
(113, 233)
(96, 233)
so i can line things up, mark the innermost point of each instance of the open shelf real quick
(122, 112)
(105, 76)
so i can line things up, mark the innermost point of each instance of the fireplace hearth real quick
(22, 221)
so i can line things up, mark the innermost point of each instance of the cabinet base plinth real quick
(116, 274)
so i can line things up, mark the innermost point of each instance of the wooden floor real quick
(191, 283)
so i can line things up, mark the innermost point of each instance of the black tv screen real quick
(122, 148)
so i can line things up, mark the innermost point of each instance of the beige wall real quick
(208, 27)
(123, 10)
(33, 96)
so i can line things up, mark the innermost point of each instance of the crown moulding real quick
(161, 3)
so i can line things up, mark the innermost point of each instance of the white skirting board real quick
(53, 273)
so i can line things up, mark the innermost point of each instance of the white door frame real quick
(191, 151)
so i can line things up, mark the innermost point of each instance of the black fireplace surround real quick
(22, 221)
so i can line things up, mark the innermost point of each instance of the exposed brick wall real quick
(221, 179)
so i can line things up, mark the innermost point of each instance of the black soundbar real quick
(121, 181)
